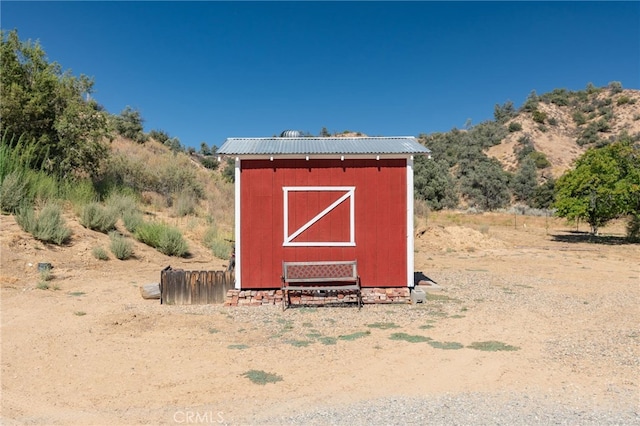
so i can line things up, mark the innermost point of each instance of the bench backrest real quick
(346, 270)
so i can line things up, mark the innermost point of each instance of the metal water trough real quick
(179, 287)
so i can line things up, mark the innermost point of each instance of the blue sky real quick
(205, 71)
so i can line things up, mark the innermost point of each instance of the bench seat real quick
(320, 276)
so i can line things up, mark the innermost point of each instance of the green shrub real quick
(98, 218)
(515, 127)
(42, 187)
(172, 243)
(559, 97)
(47, 225)
(120, 247)
(579, 118)
(228, 173)
(166, 239)
(100, 253)
(540, 159)
(220, 247)
(210, 163)
(79, 192)
(633, 228)
(132, 220)
(539, 116)
(129, 125)
(615, 87)
(623, 100)
(260, 377)
(122, 202)
(13, 192)
(149, 233)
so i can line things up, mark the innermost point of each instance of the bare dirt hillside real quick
(558, 141)
(560, 314)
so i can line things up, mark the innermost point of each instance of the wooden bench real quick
(320, 276)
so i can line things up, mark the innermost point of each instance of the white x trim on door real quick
(349, 192)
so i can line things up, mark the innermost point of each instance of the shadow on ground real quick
(586, 237)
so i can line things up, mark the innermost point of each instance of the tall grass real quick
(219, 246)
(13, 191)
(185, 203)
(156, 169)
(16, 154)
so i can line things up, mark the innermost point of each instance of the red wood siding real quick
(380, 218)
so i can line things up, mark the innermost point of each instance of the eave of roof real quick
(397, 145)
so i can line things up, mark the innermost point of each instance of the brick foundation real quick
(274, 297)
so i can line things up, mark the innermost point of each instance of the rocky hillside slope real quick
(562, 125)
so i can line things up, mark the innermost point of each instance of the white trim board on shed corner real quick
(349, 194)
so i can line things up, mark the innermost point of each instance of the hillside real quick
(557, 137)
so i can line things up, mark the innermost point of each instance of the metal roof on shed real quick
(322, 145)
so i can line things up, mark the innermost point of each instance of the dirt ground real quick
(90, 350)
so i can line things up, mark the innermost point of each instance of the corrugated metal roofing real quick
(322, 145)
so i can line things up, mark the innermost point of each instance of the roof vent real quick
(290, 134)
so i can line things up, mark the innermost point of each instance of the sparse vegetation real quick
(240, 346)
(100, 253)
(354, 336)
(42, 285)
(383, 325)
(409, 338)
(219, 246)
(492, 346)
(445, 345)
(260, 377)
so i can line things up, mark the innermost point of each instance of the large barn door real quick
(319, 216)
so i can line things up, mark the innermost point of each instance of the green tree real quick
(525, 181)
(129, 125)
(543, 196)
(51, 108)
(159, 136)
(204, 149)
(434, 184)
(484, 183)
(615, 87)
(531, 103)
(604, 185)
(503, 113)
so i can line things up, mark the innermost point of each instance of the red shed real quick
(323, 198)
